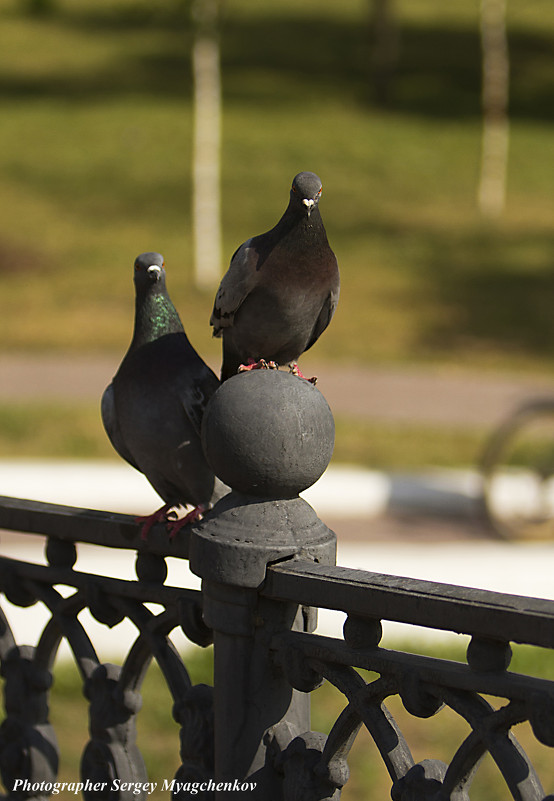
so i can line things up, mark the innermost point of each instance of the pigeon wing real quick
(195, 394)
(236, 285)
(109, 419)
(324, 317)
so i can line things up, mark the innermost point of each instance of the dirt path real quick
(415, 394)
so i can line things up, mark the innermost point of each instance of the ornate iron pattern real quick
(28, 747)
(423, 684)
(296, 763)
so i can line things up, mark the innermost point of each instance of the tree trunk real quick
(495, 92)
(206, 145)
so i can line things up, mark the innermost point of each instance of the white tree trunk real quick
(495, 92)
(206, 145)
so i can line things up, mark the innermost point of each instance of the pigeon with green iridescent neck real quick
(281, 289)
(152, 411)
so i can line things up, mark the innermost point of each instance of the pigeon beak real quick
(154, 271)
(309, 203)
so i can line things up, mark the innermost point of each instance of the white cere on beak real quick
(309, 203)
(154, 269)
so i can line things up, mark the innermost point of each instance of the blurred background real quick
(431, 125)
(382, 98)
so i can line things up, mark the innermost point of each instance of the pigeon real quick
(281, 289)
(152, 410)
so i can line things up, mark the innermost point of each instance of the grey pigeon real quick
(281, 289)
(152, 410)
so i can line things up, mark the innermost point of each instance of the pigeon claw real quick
(174, 526)
(295, 370)
(149, 521)
(259, 365)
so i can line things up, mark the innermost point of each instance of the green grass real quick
(394, 446)
(436, 738)
(65, 431)
(53, 430)
(95, 152)
(95, 149)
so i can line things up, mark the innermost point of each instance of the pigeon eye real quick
(294, 189)
(137, 267)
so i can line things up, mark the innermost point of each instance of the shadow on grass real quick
(277, 60)
(498, 290)
(463, 291)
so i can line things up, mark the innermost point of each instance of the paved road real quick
(420, 395)
(359, 505)
(417, 394)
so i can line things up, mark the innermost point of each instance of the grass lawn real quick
(66, 431)
(95, 166)
(95, 151)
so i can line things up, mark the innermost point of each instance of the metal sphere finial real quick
(268, 433)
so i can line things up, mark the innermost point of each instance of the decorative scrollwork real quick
(541, 717)
(256, 622)
(193, 625)
(300, 673)
(151, 567)
(361, 632)
(418, 697)
(28, 745)
(424, 781)
(194, 713)
(17, 592)
(28, 748)
(488, 655)
(298, 760)
(60, 553)
(424, 685)
(111, 752)
(102, 606)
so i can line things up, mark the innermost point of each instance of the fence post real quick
(268, 435)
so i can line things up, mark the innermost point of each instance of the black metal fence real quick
(267, 661)
(267, 564)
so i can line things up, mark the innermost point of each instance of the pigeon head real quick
(149, 271)
(306, 191)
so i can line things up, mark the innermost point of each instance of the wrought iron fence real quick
(267, 564)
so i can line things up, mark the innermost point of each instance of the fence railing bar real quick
(432, 670)
(138, 590)
(110, 529)
(464, 610)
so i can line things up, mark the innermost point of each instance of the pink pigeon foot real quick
(175, 526)
(295, 370)
(259, 365)
(150, 520)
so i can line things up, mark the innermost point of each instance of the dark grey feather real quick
(282, 287)
(152, 411)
